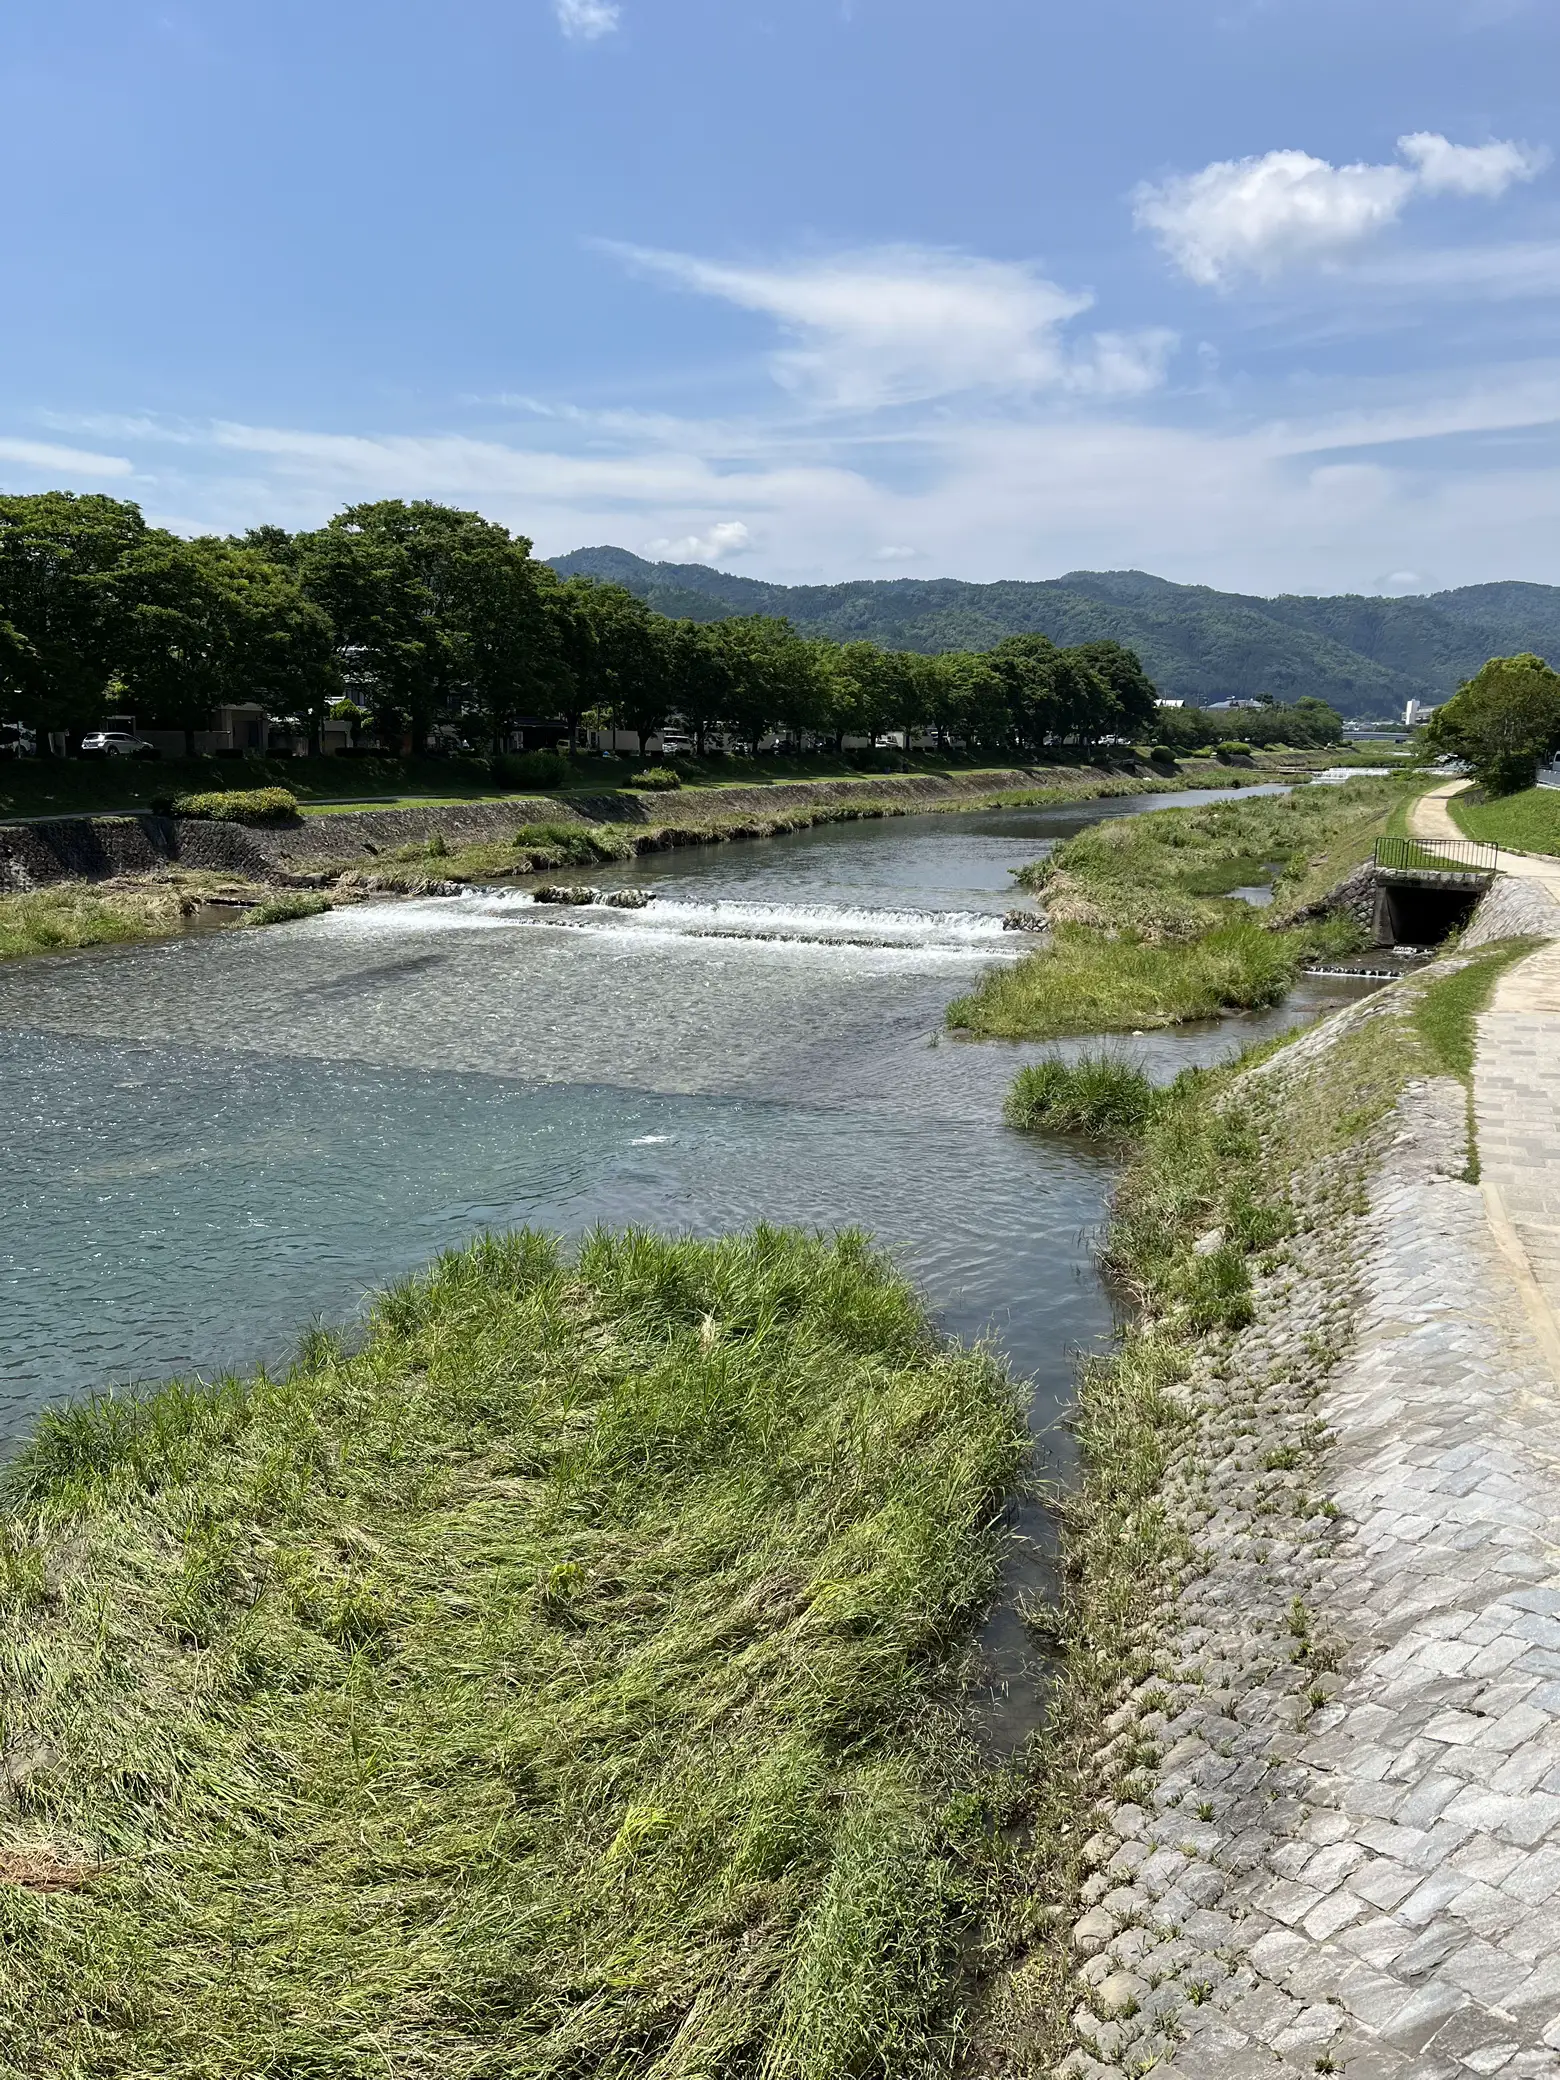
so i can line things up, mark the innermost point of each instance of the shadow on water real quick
(215, 1139)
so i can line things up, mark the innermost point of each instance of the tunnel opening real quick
(1410, 914)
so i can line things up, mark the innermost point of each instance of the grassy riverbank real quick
(699, 819)
(70, 914)
(1144, 931)
(1526, 822)
(553, 1687)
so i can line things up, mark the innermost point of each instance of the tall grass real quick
(1083, 981)
(71, 913)
(549, 1689)
(1157, 874)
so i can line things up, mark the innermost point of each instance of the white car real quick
(117, 743)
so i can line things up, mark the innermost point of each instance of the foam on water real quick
(665, 920)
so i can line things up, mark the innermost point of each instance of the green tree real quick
(1135, 697)
(630, 661)
(57, 619)
(410, 592)
(699, 682)
(1504, 722)
(200, 623)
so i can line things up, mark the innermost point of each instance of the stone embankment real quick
(1341, 1848)
(93, 848)
(96, 847)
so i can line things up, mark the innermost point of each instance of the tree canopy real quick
(1504, 722)
(423, 618)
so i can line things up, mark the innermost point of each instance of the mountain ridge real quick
(1367, 654)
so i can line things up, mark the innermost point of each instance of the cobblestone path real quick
(1350, 1861)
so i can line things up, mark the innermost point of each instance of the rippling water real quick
(213, 1140)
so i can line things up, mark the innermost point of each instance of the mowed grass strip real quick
(557, 1686)
(1526, 822)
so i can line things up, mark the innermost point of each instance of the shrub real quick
(1162, 755)
(1099, 1095)
(656, 779)
(534, 769)
(1232, 747)
(257, 805)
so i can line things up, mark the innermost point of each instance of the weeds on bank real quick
(283, 909)
(1085, 981)
(1139, 935)
(552, 1687)
(1448, 1008)
(72, 913)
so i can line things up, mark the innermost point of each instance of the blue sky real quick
(1259, 294)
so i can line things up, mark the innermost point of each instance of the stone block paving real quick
(1517, 1105)
(1349, 1859)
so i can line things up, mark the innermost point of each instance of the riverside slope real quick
(1349, 1857)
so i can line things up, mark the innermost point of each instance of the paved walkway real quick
(1382, 1898)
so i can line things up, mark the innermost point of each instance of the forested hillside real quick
(1366, 656)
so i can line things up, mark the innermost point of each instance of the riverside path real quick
(1364, 1878)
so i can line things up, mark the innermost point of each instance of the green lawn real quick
(1526, 822)
(557, 1686)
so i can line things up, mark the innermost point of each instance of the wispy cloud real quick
(74, 464)
(587, 21)
(1262, 215)
(903, 324)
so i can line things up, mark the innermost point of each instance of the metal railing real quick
(1437, 855)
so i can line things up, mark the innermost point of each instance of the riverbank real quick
(1144, 930)
(560, 1680)
(118, 786)
(115, 875)
(1254, 1716)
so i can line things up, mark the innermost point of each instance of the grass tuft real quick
(282, 909)
(1099, 1095)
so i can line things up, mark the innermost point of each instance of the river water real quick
(213, 1140)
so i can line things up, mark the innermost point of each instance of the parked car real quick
(116, 743)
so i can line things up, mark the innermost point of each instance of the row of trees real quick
(424, 615)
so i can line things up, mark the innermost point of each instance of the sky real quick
(1260, 294)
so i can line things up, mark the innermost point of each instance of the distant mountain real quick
(1367, 656)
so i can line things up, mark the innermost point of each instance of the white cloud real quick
(902, 324)
(1468, 169)
(1261, 215)
(586, 21)
(1371, 483)
(75, 465)
(725, 538)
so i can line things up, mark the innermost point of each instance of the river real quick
(215, 1139)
